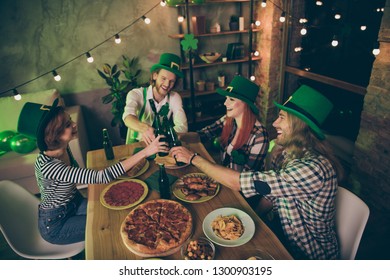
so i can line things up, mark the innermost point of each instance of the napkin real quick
(152, 181)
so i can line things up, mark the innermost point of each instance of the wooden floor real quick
(375, 243)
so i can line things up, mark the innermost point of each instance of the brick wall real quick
(371, 170)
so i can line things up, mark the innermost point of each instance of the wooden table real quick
(104, 242)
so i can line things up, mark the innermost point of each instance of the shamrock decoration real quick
(164, 110)
(189, 43)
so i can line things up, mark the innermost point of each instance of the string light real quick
(337, 16)
(252, 78)
(256, 53)
(303, 31)
(180, 18)
(376, 49)
(89, 57)
(363, 27)
(56, 76)
(163, 3)
(264, 3)
(146, 19)
(335, 42)
(319, 3)
(303, 20)
(117, 39)
(283, 17)
(17, 95)
(257, 23)
(298, 49)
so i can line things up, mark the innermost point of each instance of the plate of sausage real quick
(195, 188)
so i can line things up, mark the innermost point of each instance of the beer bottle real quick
(107, 145)
(163, 183)
(173, 140)
(159, 130)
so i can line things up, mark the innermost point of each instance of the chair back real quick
(351, 219)
(19, 225)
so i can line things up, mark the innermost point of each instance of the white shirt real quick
(135, 102)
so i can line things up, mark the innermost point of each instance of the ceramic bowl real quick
(198, 249)
(209, 57)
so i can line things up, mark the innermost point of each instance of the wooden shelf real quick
(181, 36)
(220, 62)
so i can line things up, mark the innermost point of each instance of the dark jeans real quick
(65, 224)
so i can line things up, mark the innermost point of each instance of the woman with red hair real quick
(243, 138)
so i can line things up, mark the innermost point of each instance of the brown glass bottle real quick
(163, 183)
(107, 145)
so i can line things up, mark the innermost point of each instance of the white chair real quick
(351, 219)
(19, 225)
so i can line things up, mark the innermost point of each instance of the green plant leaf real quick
(107, 99)
(107, 68)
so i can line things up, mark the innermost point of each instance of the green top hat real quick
(33, 120)
(170, 62)
(243, 89)
(310, 106)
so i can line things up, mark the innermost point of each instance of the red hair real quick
(249, 119)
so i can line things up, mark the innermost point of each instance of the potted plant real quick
(119, 88)
(233, 24)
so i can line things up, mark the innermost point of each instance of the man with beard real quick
(302, 185)
(143, 103)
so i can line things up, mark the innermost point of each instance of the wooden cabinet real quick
(214, 34)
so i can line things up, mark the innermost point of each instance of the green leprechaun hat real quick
(170, 62)
(33, 120)
(310, 106)
(243, 89)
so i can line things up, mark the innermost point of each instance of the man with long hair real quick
(142, 104)
(303, 183)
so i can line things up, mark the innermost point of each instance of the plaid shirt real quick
(253, 151)
(303, 193)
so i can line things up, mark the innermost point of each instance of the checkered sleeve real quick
(213, 130)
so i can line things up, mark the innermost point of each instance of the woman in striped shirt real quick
(62, 211)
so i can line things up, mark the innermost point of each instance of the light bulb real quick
(180, 18)
(56, 76)
(163, 3)
(257, 22)
(264, 3)
(337, 16)
(335, 42)
(303, 31)
(376, 49)
(146, 19)
(117, 39)
(302, 20)
(17, 96)
(319, 3)
(363, 27)
(298, 49)
(252, 78)
(89, 57)
(282, 17)
(256, 53)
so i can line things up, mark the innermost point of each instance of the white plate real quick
(249, 227)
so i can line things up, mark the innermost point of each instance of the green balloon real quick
(5, 140)
(23, 144)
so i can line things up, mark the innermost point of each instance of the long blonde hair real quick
(302, 138)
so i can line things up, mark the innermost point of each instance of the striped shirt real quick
(253, 151)
(303, 193)
(57, 180)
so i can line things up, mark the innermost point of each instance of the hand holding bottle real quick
(157, 146)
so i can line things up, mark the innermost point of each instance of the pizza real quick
(123, 194)
(156, 228)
